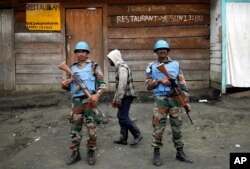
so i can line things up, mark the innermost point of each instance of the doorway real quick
(84, 25)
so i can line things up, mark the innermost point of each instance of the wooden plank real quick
(7, 49)
(181, 43)
(37, 37)
(39, 69)
(140, 86)
(215, 68)
(1, 55)
(89, 31)
(155, 9)
(176, 54)
(189, 75)
(216, 61)
(5, 4)
(38, 59)
(215, 54)
(1, 41)
(38, 87)
(197, 84)
(215, 46)
(1, 78)
(38, 47)
(37, 50)
(216, 85)
(158, 2)
(185, 65)
(20, 17)
(154, 32)
(157, 20)
(215, 76)
(81, 3)
(34, 78)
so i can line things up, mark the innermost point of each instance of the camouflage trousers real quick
(164, 106)
(80, 109)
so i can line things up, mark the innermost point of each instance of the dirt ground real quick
(34, 133)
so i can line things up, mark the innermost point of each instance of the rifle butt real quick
(65, 68)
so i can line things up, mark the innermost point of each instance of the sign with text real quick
(43, 16)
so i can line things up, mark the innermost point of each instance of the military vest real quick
(88, 78)
(172, 68)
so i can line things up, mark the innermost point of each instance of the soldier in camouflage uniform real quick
(165, 103)
(82, 106)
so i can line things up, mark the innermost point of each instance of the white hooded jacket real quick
(124, 80)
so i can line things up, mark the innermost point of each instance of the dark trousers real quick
(123, 112)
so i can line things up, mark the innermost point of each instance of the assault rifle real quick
(174, 86)
(80, 83)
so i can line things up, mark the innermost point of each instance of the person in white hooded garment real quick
(124, 95)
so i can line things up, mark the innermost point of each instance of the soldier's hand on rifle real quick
(65, 83)
(94, 98)
(188, 106)
(164, 81)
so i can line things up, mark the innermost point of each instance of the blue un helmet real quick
(161, 44)
(82, 46)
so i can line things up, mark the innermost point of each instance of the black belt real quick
(80, 97)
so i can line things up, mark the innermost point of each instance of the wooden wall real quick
(134, 26)
(215, 45)
(37, 58)
(7, 61)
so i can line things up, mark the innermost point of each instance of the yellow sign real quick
(43, 16)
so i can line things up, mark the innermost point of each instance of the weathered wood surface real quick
(157, 20)
(185, 65)
(20, 6)
(154, 9)
(38, 47)
(192, 54)
(158, 1)
(156, 32)
(180, 43)
(39, 69)
(89, 31)
(5, 4)
(1, 56)
(38, 37)
(7, 48)
(140, 86)
(189, 75)
(215, 76)
(34, 78)
(37, 58)
(38, 87)
(215, 68)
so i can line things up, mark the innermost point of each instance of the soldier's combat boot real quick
(123, 136)
(136, 133)
(91, 157)
(156, 159)
(181, 156)
(75, 156)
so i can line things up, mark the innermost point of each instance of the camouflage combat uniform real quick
(80, 109)
(166, 104)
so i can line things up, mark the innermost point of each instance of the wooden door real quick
(84, 25)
